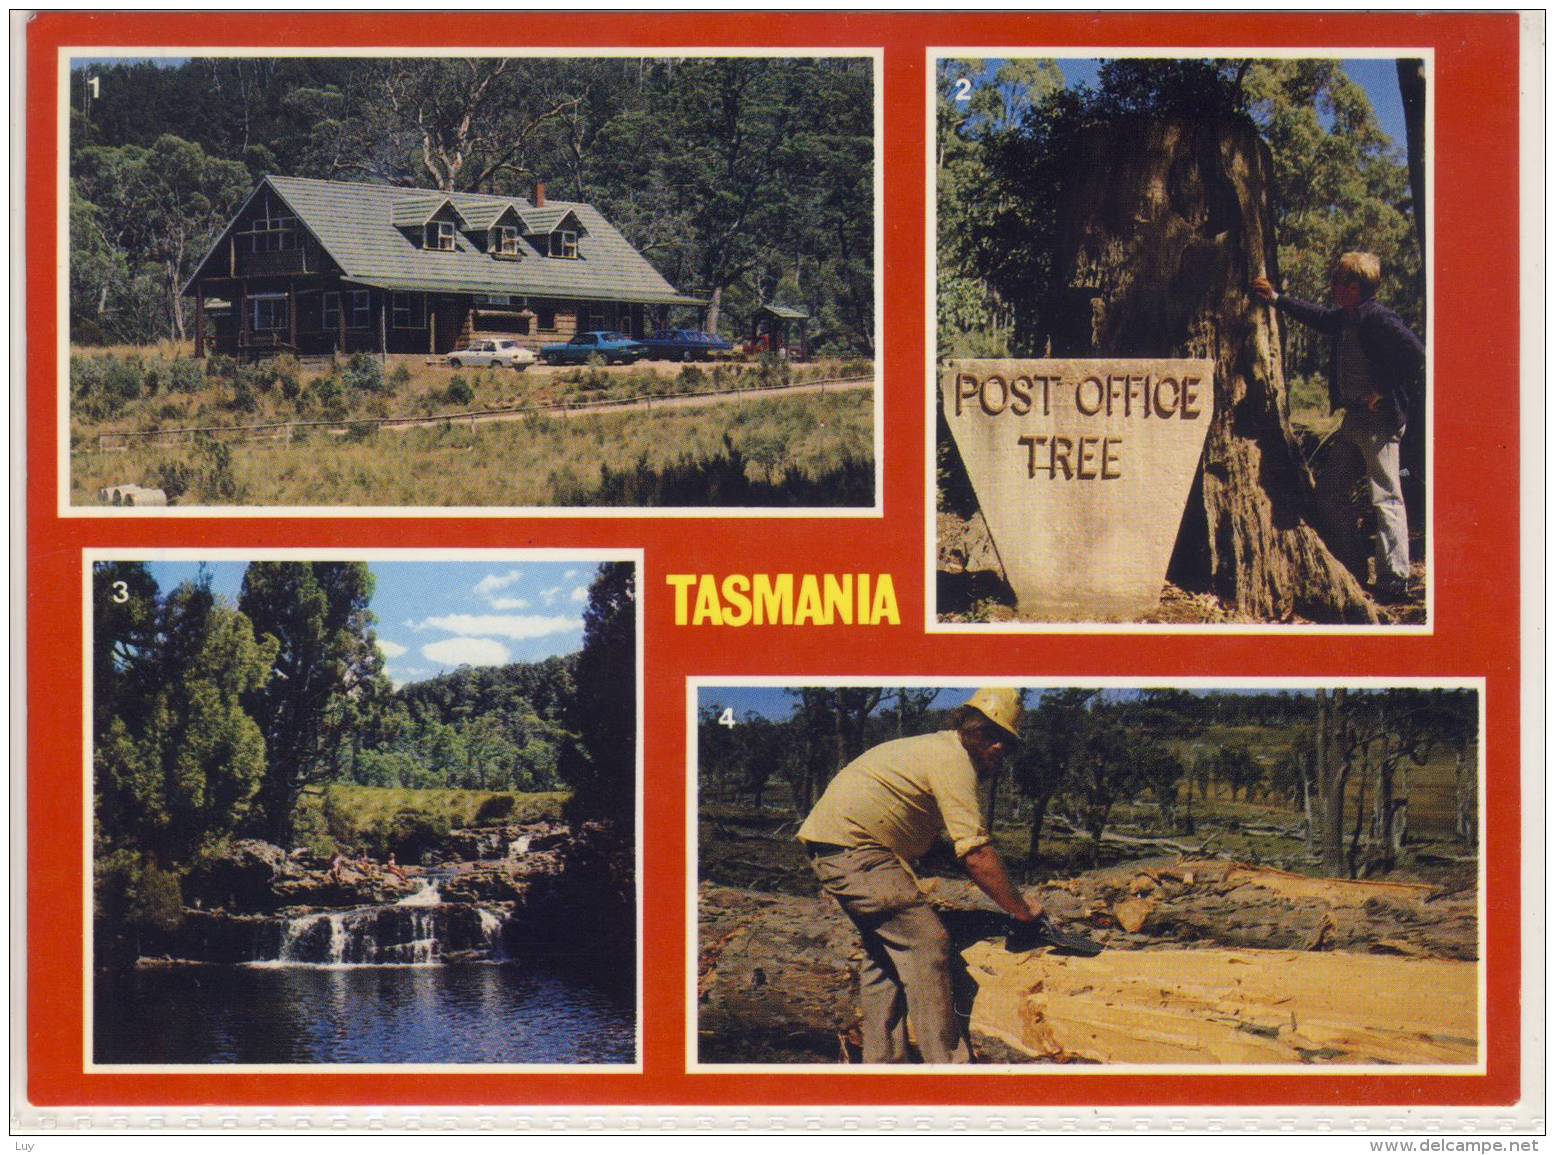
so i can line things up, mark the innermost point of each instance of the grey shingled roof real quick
(544, 221)
(353, 222)
(485, 214)
(786, 312)
(415, 211)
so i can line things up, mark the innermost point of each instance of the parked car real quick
(685, 345)
(614, 348)
(502, 353)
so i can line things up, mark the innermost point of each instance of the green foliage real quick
(102, 386)
(176, 760)
(143, 214)
(129, 893)
(363, 372)
(459, 391)
(601, 768)
(400, 377)
(328, 675)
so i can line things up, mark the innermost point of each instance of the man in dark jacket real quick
(1373, 364)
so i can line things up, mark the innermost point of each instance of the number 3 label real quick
(121, 593)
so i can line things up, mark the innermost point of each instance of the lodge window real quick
(564, 243)
(267, 312)
(409, 310)
(360, 310)
(272, 234)
(503, 241)
(440, 236)
(493, 299)
(545, 320)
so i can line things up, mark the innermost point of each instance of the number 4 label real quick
(727, 717)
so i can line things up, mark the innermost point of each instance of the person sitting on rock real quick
(337, 867)
(1373, 364)
(394, 868)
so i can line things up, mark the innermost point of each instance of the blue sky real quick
(1378, 77)
(435, 616)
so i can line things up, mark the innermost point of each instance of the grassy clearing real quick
(367, 805)
(498, 463)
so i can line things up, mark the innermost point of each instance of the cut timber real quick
(1226, 1007)
(1133, 913)
(1336, 891)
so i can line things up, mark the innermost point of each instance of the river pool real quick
(511, 1012)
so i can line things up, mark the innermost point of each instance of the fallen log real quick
(777, 973)
(1226, 1007)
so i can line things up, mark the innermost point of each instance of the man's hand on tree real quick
(1264, 289)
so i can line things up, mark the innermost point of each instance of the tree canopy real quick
(1002, 151)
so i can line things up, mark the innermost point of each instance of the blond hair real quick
(1363, 270)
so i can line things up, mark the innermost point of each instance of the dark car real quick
(611, 347)
(685, 345)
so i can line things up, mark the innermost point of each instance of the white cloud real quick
(508, 603)
(580, 594)
(518, 627)
(467, 652)
(549, 596)
(390, 650)
(570, 575)
(493, 582)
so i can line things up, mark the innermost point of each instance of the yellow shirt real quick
(900, 795)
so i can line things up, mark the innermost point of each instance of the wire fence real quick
(285, 430)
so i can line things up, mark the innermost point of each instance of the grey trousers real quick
(1379, 447)
(906, 967)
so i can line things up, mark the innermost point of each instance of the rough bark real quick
(1167, 223)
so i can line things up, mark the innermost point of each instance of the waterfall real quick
(519, 845)
(419, 930)
(491, 928)
(426, 894)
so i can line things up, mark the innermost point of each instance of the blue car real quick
(685, 345)
(611, 347)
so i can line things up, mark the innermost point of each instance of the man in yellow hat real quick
(885, 809)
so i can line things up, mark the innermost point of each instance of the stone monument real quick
(1082, 470)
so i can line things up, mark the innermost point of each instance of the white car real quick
(506, 354)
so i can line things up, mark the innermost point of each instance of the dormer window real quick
(440, 236)
(503, 241)
(564, 243)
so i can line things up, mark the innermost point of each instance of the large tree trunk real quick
(1166, 223)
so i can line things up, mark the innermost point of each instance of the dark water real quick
(453, 1013)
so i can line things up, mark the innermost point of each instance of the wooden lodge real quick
(317, 267)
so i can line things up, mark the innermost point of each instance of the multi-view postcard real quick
(817, 572)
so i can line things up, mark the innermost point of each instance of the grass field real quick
(365, 805)
(539, 459)
(505, 463)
